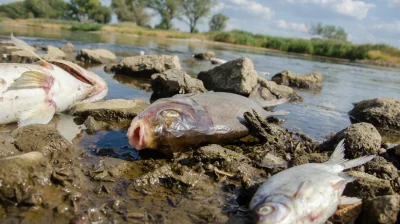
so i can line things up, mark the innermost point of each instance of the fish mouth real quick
(139, 135)
(100, 89)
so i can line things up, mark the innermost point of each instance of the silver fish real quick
(33, 93)
(183, 121)
(306, 194)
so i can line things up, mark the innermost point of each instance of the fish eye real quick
(170, 113)
(272, 212)
(265, 210)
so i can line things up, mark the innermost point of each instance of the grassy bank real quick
(320, 47)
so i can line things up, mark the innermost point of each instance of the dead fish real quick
(308, 193)
(33, 93)
(185, 120)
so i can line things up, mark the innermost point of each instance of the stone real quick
(381, 112)
(366, 186)
(146, 65)
(204, 56)
(360, 139)
(309, 81)
(110, 110)
(7, 149)
(173, 82)
(217, 61)
(236, 76)
(96, 56)
(53, 53)
(271, 161)
(270, 91)
(21, 57)
(68, 48)
(381, 168)
(383, 209)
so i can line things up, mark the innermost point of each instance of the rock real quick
(19, 173)
(381, 168)
(367, 186)
(146, 65)
(21, 57)
(270, 90)
(92, 125)
(96, 56)
(173, 82)
(217, 61)
(381, 112)
(218, 152)
(308, 81)
(7, 149)
(310, 158)
(204, 56)
(271, 161)
(114, 110)
(236, 76)
(360, 139)
(54, 53)
(44, 139)
(347, 213)
(68, 48)
(384, 209)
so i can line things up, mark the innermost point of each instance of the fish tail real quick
(337, 157)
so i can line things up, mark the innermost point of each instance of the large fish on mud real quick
(33, 93)
(306, 194)
(188, 120)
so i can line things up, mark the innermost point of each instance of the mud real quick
(51, 180)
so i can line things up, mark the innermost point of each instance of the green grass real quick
(320, 47)
(86, 27)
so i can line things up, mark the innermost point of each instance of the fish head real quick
(276, 209)
(167, 123)
(95, 89)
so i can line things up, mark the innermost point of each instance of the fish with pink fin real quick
(33, 93)
(190, 120)
(306, 194)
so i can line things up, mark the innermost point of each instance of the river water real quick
(320, 114)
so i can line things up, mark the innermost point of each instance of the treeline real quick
(136, 11)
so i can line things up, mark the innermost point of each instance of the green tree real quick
(132, 11)
(16, 10)
(168, 10)
(101, 14)
(328, 31)
(81, 9)
(194, 10)
(53, 9)
(218, 22)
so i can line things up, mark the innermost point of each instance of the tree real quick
(218, 22)
(328, 31)
(53, 9)
(81, 9)
(132, 10)
(15, 10)
(168, 10)
(194, 10)
(101, 14)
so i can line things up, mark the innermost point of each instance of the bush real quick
(87, 27)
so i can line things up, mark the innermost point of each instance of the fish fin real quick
(340, 185)
(41, 114)
(348, 200)
(346, 177)
(337, 157)
(305, 189)
(256, 95)
(33, 79)
(24, 46)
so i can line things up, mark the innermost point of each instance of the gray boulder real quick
(383, 209)
(308, 81)
(360, 139)
(146, 65)
(68, 48)
(381, 112)
(173, 82)
(110, 110)
(236, 76)
(96, 56)
(205, 55)
(270, 91)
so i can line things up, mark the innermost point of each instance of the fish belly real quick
(12, 71)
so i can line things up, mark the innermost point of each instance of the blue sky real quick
(366, 21)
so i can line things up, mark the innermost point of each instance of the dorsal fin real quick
(26, 47)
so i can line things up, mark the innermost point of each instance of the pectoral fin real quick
(305, 189)
(41, 114)
(33, 79)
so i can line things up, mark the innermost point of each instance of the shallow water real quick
(320, 114)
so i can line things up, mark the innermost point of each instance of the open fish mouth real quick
(100, 86)
(139, 135)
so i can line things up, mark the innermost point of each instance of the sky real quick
(365, 21)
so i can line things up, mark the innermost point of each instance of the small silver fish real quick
(306, 194)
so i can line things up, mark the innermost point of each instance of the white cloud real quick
(253, 7)
(352, 8)
(391, 27)
(394, 3)
(291, 26)
(219, 7)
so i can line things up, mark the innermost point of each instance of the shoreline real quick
(131, 29)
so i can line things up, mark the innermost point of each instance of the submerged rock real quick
(383, 209)
(360, 139)
(146, 65)
(173, 82)
(68, 48)
(381, 112)
(270, 90)
(309, 81)
(236, 76)
(205, 55)
(110, 110)
(96, 56)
